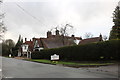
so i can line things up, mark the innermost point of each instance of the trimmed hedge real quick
(107, 50)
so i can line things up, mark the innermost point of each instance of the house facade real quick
(52, 41)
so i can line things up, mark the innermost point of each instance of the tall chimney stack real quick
(73, 36)
(57, 32)
(49, 34)
(25, 39)
(100, 37)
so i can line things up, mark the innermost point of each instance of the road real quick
(14, 68)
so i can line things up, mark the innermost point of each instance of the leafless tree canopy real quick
(64, 29)
(88, 35)
(2, 27)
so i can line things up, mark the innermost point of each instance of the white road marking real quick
(8, 77)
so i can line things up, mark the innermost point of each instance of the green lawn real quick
(69, 63)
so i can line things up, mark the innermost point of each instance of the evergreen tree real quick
(115, 32)
(19, 43)
(17, 46)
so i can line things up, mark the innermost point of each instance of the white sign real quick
(10, 55)
(54, 57)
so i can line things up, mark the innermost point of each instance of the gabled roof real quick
(55, 41)
(39, 41)
(52, 43)
(30, 43)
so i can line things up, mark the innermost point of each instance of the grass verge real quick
(70, 63)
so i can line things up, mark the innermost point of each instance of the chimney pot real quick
(25, 39)
(49, 34)
(73, 36)
(57, 32)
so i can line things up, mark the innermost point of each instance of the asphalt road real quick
(14, 68)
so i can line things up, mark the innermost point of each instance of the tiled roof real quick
(55, 41)
(90, 40)
(78, 38)
(52, 43)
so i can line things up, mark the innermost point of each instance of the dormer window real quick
(36, 44)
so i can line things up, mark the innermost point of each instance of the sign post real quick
(54, 58)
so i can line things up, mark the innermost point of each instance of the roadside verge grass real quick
(70, 63)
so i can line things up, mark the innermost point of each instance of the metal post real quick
(27, 55)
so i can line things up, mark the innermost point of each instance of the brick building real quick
(52, 41)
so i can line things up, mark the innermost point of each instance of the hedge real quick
(106, 50)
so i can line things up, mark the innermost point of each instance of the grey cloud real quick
(85, 16)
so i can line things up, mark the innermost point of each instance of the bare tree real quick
(64, 32)
(88, 35)
(64, 29)
(2, 26)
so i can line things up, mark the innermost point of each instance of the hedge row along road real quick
(101, 51)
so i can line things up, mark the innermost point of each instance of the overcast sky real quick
(33, 18)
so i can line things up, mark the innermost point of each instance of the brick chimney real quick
(33, 39)
(25, 39)
(100, 37)
(73, 36)
(49, 34)
(57, 32)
